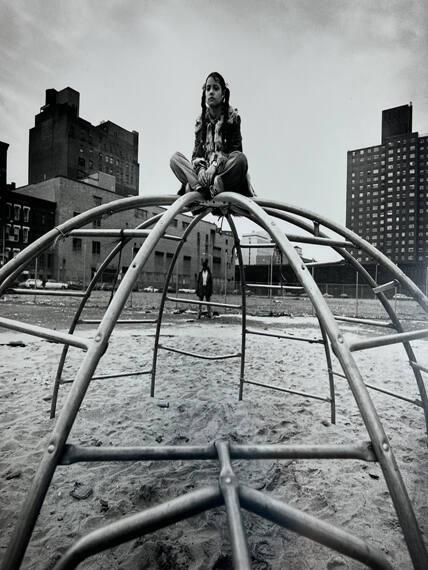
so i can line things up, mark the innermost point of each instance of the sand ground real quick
(196, 402)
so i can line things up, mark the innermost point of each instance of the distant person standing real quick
(205, 287)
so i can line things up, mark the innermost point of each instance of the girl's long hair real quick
(225, 111)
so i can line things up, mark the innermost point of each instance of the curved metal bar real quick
(381, 296)
(189, 228)
(359, 242)
(55, 447)
(315, 529)
(330, 374)
(397, 489)
(229, 486)
(243, 303)
(110, 256)
(141, 524)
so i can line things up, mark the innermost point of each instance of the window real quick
(96, 248)
(96, 223)
(7, 229)
(26, 213)
(81, 161)
(16, 212)
(25, 234)
(77, 244)
(16, 232)
(97, 200)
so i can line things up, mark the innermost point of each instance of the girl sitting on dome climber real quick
(218, 163)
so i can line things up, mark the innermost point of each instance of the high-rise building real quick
(64, 144)
(387, 190)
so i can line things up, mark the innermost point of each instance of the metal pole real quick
(84, 265)
(271, 279)
(381, 445)
(164, 296)
(118, 247)
(229, 488)
(139, 524)
(35, 277)
(225, 276)
(315, 529)
(387, 305)
(55, 444)
(243, 303)
(356, 293)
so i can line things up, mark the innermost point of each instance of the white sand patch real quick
(203, 406)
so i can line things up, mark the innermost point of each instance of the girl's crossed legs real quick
(229, 178)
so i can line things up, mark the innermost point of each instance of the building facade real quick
(387, 193)
(64, 144)
(23, 219)
(262, 255)
(77, 259)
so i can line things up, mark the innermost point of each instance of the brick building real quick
(76, 259)
(387, 193)
(23, 219)
(64, 144)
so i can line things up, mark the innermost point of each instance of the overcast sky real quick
(310, 79)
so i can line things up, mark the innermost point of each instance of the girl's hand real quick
(202, 177)
(210, 173)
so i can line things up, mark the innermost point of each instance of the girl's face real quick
(213, 93)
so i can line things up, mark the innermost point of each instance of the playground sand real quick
(196, 402)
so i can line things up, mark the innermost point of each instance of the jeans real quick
(230, 177)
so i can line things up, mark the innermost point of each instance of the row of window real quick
(13, 233)
(76, 246)
(402, 144)
(13, 211)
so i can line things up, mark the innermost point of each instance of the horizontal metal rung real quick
(371, 322)
(42, 332)
(107, 376)
(387, 339)
(414, 401)
(121, 374)
(290, 337)
(385, 287)
(360, 450)
(115, 233)
(285, 287)
(52, 292)
(320, 240)
(302, 239)
(196, 302)
(336, 373)
(203, 356)
(418, 366)
(119, 322)
(296, 392)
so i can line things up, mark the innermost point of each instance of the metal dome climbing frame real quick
(227, 491)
